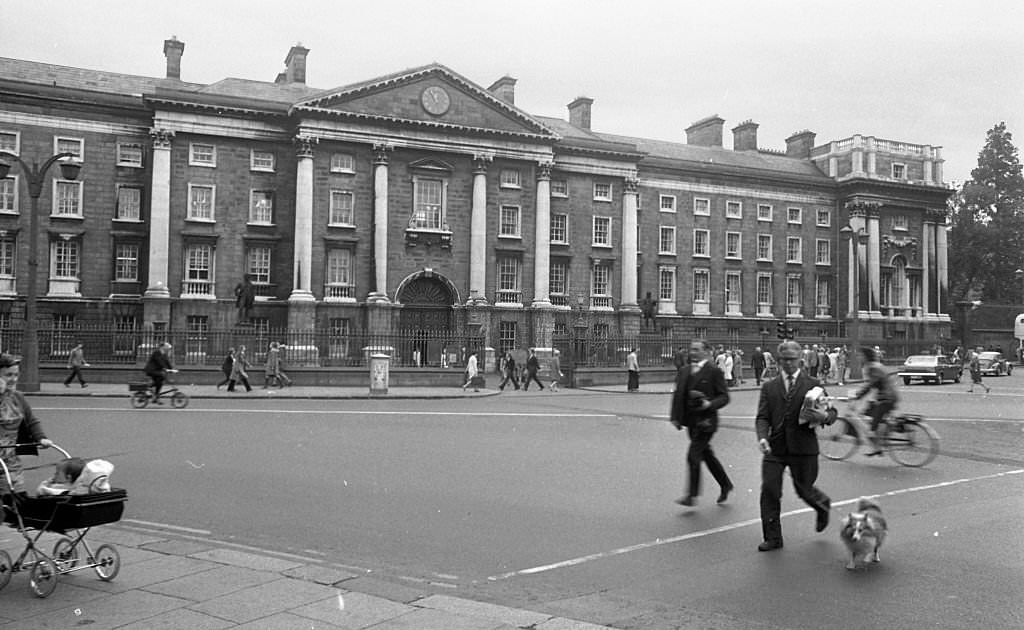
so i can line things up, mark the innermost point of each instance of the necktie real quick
(789, 383)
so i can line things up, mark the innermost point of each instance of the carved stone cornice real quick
(480, 162)
(544, 170)
(861, 209)
(161, 138)
(906, 246)
(304, 146)
(935, 215)
(631, 185)
(380, 153)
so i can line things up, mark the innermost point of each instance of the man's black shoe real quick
(822, 522)
(724, 495)
(687, 500)
(770, 545)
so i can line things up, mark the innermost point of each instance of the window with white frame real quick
(508, 280)
(764, 247)
(702, 243)
(67, 198)
(126, 262)
(262, 161)
(824, 217)
(343, 163)
(198, 270)
(559, 188)
(823, 297)
(65, 259)
(794, 216)
(10, 141)
(8, 255)
(899, 171)
(667, 203)
(510, 178)
(129, 154)
(733, 293)
(701, 206)
(701, 291)
(200, 154)
(667, 284)
(9, 194)
(794, 249)
(339, 284)
(429, 204)
(667, 240)
(201, 201)
(509, 222)
(257, 263)
(507, 337)
(559, 228)
(341, 208)
(129, 203)
(899, 222)
(65, 144)
(733, 209)
(602, 233)
(261, 207)
(822, 252)
(558, 282)
(764, 293)
(602, 191)
(794, 294)
(733, 245)
(601, 286)
(764, 212)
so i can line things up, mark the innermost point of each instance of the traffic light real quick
(781, 330)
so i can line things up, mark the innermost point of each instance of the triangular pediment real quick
(431, 96)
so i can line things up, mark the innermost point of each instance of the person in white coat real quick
(471, 372)
(724, 363)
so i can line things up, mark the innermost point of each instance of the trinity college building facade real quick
(424, 201)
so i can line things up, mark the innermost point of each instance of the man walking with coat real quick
(785, 441)
(700, 393)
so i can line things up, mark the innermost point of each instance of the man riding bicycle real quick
(157, 369)
(877, 379)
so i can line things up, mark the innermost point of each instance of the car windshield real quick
(921, 360)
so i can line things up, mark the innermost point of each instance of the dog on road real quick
(863, 532)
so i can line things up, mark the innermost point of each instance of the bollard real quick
(380, 374)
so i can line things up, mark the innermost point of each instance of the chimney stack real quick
(173, 49)
(706, 132)
(744, 136)
(799, 144)
(579, 112)
(504, 89)
(295, 65)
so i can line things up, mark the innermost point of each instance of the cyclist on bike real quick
(157, 369)
(877, 379)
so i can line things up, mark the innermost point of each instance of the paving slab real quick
(180, 619)
(264, 600)
(353, 611)
(328, 576)
(246, 559)
(216, 582)
(494, 612)
(428, 619)
(106, 613)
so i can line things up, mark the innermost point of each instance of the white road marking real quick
(350, 412)
(725, 528)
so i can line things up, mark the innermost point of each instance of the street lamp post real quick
(34, 175)
(1020, 276)
(856, 237)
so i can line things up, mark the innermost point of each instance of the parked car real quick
(994, 364)
(930, 368)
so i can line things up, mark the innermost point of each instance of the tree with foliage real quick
(986, 242)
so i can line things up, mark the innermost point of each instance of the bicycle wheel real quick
(838, 440)
(6, 568)
(65, 553)
(912, 444)
(140, 399)
(179, 400)
(108, 562)
(43, 576)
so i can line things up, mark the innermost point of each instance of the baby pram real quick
(33, 516)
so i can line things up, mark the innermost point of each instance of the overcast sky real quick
(931, 72)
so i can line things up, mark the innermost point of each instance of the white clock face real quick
(435, 100)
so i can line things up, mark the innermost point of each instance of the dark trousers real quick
(804, 470)
(158, 383)
(510, 376)
(531, 376)
(700, 452)
(633, 381)
(241, 379)
(76, 372)
(227, 379)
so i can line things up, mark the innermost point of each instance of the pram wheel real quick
(5, 568)
(43, 577)
(108, 562)
(140, 399)
(65, 553)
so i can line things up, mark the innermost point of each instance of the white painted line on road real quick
(177, 528)
(341, 412)
(725, 528)
(964, 420)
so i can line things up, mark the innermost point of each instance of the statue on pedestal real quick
(648, 309)
(245, 296)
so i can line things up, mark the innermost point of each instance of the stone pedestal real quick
(543, 327)
(156, 308)
(629, 320)
(301, 315)
(378, 317)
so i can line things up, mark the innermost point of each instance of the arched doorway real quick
(427, 318)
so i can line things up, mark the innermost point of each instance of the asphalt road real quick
(563, 503)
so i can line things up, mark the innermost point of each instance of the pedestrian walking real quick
(700, 392)
(757, 365)
(725, 363)
(509, 372)
(471, 373)
(239, 371)
(737, 365)
(272, 370)
(532, 367)
(225, 367)
(786, 442)
(974, 364)
(555, 368)
(18, 426)
(632, 372)
(76, 361)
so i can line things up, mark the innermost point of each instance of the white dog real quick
(863, 533)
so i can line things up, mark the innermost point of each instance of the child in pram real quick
(73, 475)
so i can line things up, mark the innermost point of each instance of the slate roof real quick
(82, 78)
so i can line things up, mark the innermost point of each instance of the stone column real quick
(380, 224)
(627, 301)
(157, 298)
(542, 239)
(928, 262)
(857, 272)
(941, 264)
(478, 233)
(301, 303)
(874, 273)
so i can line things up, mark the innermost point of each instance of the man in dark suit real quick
(757, 364)
(785, 441)
(700, 393)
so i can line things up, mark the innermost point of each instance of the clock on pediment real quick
(435, 100)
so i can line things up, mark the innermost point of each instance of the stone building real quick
(421, 201)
